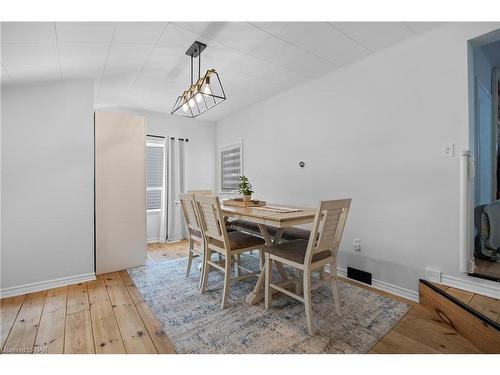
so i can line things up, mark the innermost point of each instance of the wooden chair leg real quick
(322, 273)
(300, 281)
(308, 301)
(203, 267)
(335, 290)
(227, 280)
(268, 269)
(237, 265)
(206, 269)
(190, 256)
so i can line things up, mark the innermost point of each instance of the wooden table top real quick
(261, 215)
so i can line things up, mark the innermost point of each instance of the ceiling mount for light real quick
(203, 94)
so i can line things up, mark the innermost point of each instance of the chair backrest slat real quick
(328, 226)
(201, 192)
(189, 212)
(211, 218)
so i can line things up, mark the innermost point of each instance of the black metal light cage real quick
(203, 94)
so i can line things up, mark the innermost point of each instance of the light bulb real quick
(185, 107)
(206, 90)
(198, 97)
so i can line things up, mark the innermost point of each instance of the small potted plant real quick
(245, 189)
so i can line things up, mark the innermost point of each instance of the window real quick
(231, 167)
(155, 169)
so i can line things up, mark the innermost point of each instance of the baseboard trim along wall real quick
(412, 295)
(469, 284)
(44, 285)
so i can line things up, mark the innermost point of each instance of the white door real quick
(120, 162)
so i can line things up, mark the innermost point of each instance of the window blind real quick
(230, 168)
(155, 153)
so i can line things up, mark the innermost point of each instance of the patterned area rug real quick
(196, 324)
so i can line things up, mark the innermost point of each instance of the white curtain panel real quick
(163, 217)
(182, 183)
(175, 186)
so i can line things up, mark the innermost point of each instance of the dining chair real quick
(228, 224)
(311, 255)
(219, 240)
(194, 230)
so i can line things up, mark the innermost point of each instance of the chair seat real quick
(239, 240)
(295, 251)
(197, 233)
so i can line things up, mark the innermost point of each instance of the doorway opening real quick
(485, 262)
(165, 179)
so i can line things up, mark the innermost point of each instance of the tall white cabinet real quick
(120, 191)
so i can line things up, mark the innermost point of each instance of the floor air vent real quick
(363, 276)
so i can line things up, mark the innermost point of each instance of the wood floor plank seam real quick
(138, 313)
(91, 323)
(51, 331)
(13, 322)
(65, 310)
(39, 320)
(129, 317)
(114, 316)
(33, 322)
(76, 313)
(41, 314)
(73, 298)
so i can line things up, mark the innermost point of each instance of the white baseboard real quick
(43, 285)
(387, 287)
(175, 239)
(472, 284)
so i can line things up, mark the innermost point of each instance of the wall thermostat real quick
(302, 164)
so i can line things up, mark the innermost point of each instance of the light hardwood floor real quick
(109, 315)
(489, 307)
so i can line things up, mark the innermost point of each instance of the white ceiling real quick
(143, 65)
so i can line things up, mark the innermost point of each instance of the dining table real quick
(275, 215)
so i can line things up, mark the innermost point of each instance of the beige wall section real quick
(120, 144)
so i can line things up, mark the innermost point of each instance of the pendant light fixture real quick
(203, 94)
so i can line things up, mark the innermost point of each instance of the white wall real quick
(200, 153)
(47, 182)
(200, 150)
(373, 131)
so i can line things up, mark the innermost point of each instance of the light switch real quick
(357, 244)
(448, 150)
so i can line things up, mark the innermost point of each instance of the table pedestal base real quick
(257, 294)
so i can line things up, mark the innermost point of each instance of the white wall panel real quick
(120, 142)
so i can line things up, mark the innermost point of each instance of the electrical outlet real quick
(357, 244)
(448, 150)
(433, 275)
